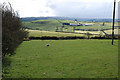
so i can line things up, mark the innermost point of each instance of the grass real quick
(48, 28)
(38, 33)
(65, 59)
(100, 32)
(96, 27)
(51, 25)
(43, 24)
(110, 31)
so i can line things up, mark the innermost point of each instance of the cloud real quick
(31, 8)
(69, 8)
(81, 8)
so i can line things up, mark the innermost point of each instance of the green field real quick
(64, 59)
(38, 33)
(49, 28)
(51, 25)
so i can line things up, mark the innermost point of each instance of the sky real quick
(64, 8)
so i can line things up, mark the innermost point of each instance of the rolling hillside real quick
(40, 28)
(51, 25)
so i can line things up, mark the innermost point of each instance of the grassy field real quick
(64, 59)
(43, 24)
(100, 32)
(78, 33)
(48, 28)
(38, 33)
(51, 25)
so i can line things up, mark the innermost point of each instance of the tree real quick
(13, 32)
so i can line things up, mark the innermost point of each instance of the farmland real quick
(79, 58)
(38, 33)
(50, 25)
(64, 59)
(41, 28)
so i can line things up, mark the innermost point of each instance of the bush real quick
(13, 32)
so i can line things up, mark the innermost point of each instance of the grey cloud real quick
(41, 11)
(81, 9)
(46, 11)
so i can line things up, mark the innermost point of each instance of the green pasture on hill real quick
(51, 25)
(64, 59)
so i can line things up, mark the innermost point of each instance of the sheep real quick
(48, 45)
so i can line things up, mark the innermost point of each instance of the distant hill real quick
(45, 18)
(56, 25)
(65, 18)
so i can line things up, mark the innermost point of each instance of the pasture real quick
(64, 59)
(41, 28)
(51, 25)
(38, 33)
(77, 33)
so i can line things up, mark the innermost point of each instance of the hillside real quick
(52, 25)
(66, 18)
(39, 28)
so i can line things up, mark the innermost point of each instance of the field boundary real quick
(66, 38)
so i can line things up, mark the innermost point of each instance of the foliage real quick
(12, 29)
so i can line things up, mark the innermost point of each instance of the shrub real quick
(13, 32)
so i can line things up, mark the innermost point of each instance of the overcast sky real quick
(65, 8)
